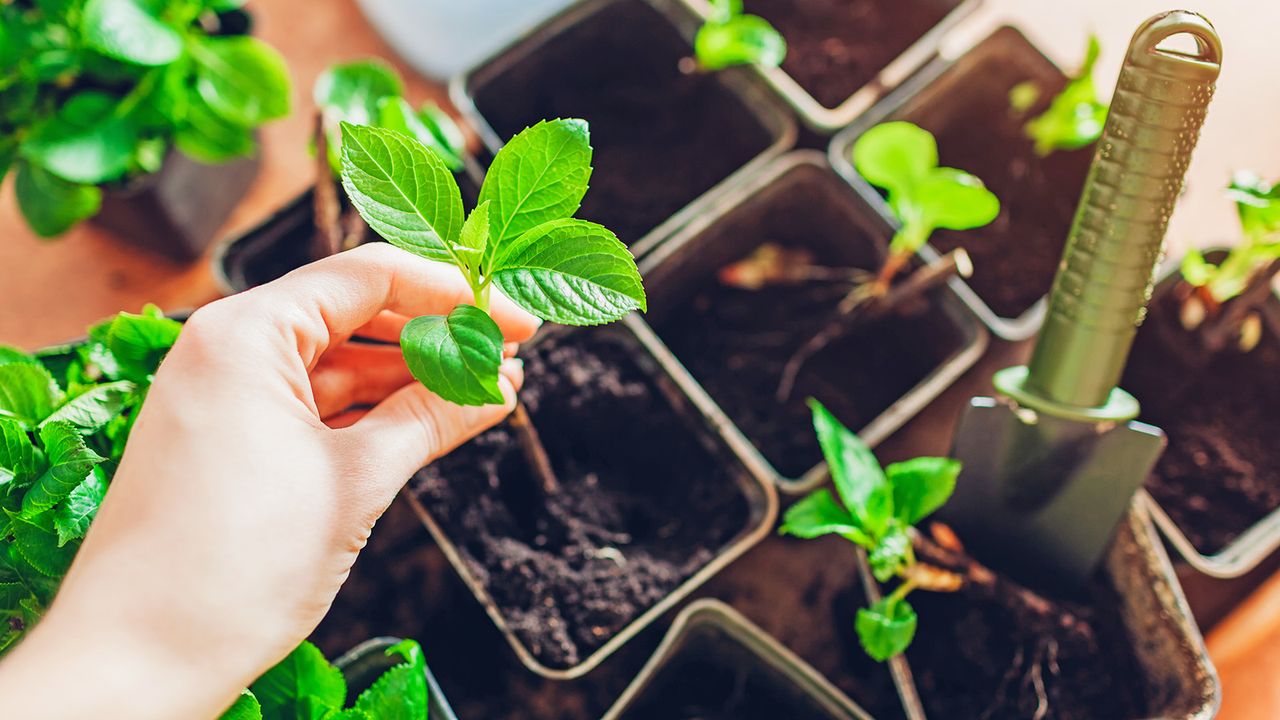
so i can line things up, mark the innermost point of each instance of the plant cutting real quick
(1075, 116)
(97, 93)
(731, 37)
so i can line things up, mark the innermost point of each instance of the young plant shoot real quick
(521, 237)
(94, 94)
(306, 685)
(876, 510)
(1075, 117)
(729, 37)
(1223, 299)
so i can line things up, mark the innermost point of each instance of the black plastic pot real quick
(729, 345)
(964, 103)
(716, 660)
(662, 137)
(362, 665)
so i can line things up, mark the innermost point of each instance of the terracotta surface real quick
(52, 290)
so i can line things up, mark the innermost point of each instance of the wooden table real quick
(52, 290)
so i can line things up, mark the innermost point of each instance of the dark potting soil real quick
(736, 342)
(1220, 473)
(661, 137)
(980, 654)
(643, 502)
(1017, 255)
(835, 47)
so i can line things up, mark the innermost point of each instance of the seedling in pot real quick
(730, 37)
(1074, 118)
(94, 95)
(1221, 302)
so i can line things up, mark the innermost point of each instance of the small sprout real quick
(730, 37)
(1074, 118)
(521, 237)
(876, 510)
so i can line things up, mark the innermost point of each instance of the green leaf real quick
(398, 694)
(921, 486)
(350, 91)
(886, 628)
(71, 519)
(456, 357)
(539, 176)
(739, 40)
(1257, 204)
(411, 651)
(304, 674)
(723, 10)
(122, 29)
(36, 542)
(1195, 269)
(569, 271)
(1075, 117)
(14, 355)
(19, 460)
(473, 238)
(70, 462)
(819, 514)
(441, 124)
(355, 714)
(85, 142)
(892, 553)
(403, 190)
(895, 156)
(138, 343)
(208, 137)
(12, 593)
(861, 484)
(246, 707)
(395, 113)
(50, 204)
(94, 407)
(242, 79)
(28, 393)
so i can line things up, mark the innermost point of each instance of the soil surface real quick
(661, 137)
(835, 47)
(1016, 256)
(1221, 471)
(642, 506)
(736, 342)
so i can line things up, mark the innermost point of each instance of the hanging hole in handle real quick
(1180, 35)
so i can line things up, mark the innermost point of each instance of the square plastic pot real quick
(677, 267)
(362, 665)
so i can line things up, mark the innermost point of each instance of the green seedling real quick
(1075, 117)
(521, 237)
(95, 93)
(730, 37)
(1243, 279)
(65, 415)
(306, 685)
(876, 510)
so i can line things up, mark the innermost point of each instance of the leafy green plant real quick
(94, 93)
(306, 685)
(65, 415)
(876, 510)
(729, 37)
(1075, 117)
(902, 158)
(522, 237)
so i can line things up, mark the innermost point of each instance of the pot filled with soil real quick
(366, 662)
(965, 103)
(715, 663)
(1215, 492)
(662, 137)
(843, 56)
(735, 346)
(631, 502)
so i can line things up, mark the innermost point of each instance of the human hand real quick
(249, 486)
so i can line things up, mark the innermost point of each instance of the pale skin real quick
(248, 488)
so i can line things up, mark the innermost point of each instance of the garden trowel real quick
(1052, 465)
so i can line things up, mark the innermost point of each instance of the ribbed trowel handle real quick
(1101, 291)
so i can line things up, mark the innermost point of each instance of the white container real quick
(441, 38)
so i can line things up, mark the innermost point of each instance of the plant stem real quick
(534, 451)
(890, 269)
(326, 208)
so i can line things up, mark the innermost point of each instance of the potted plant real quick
(139, 117)
(321, 221)
(1006, 113)
(842, 56)
(1200, 366)
(664, 136)
(988, 645)
(771, 297)
(713, 662)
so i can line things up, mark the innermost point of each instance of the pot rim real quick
(898, 414)
(827, 120)
(771, 115)
(762, 501)
(716, 613)
(436, 701)
(1016, 329)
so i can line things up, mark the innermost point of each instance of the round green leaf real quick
(50, 204)
(242, 79)
(886, 628)
(395, 113)
(207, 137)
(921, 486)
(351, 91)
(86, 142)
(895, 156)
(122, 29)
(570, 271)
(954, 199)
(740, 40)
(456, 357)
